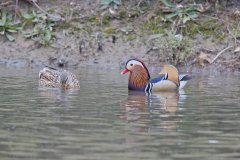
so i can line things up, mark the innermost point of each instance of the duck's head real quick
(135, 65)
(64, 79)
(139, 75)
(46, 73)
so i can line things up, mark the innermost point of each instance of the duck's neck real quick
(138, 79)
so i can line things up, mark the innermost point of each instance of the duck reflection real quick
(137, 102)
(143, 109)
(57, 96)
(168, 101)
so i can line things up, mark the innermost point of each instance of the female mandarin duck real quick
(139, 78)
(53, 78)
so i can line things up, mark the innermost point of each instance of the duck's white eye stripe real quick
(134, 62)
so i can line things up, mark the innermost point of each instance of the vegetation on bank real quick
(171, 23)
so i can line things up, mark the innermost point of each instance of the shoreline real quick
(107, 38)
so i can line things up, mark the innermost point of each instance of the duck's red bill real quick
(124, 71)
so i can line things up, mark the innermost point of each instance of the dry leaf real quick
(237, 50)
(203, 7)
(202, 58)
(4, 4)
(237, 13)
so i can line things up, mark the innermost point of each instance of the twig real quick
(3, 4)
(220, 53)
(139, 3)
(211, 17)
(149, 50)
(152, 37)
(45, 12)
(16, 10)
(203, 49)
(36, 5)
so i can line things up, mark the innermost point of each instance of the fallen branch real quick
(149, 50)
(16, 10)
(54, 17)
(4, 4)
(151, 38)
(34, 2)
(203, 49)
(222, 51)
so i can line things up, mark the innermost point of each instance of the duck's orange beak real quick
(124, 71)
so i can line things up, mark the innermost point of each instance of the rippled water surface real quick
(103, 121)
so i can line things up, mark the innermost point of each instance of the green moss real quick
(87, 28)
(63, 25)
(51, 10)
(76, 25)
(95, 20)
(106, 20)
(98, 21)
(109, 30)
(122, 14)
(131, 37)
(233, 28)
(66, 25)
(191, 29)
(207, 27)
(154, 26)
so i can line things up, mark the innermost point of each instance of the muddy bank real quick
(103, 39)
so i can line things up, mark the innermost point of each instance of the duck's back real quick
(72, 81)
(167, 80)
(172, 73)
(53, 78)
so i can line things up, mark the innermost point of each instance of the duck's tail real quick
(183, 78)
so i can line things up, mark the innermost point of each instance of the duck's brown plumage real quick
(139, 77)
(52, 78)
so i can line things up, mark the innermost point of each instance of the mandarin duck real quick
(139, 78)
(53, 78)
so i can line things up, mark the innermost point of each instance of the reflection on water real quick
(140, 107)
(139, 102)
(103, 120)
(59, 96)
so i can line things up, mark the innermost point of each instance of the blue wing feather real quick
(158, 79)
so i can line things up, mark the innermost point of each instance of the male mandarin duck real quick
(139, 78)
(53, 78)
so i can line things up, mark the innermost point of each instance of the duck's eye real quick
(131, 64)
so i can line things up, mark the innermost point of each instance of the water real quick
(103, 121)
